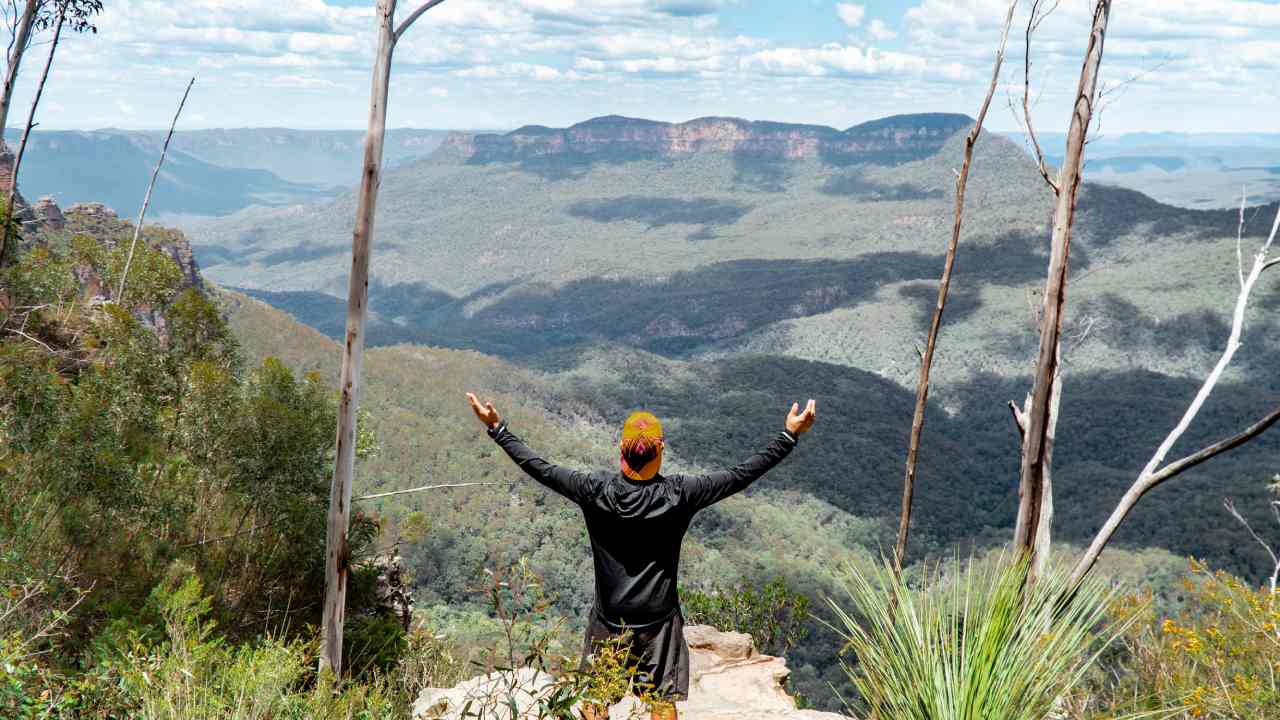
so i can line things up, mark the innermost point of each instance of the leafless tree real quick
(1271, 551)
(1037, 418)
(337, 554)
(1156, 471)
(146, 199)
(944, 287)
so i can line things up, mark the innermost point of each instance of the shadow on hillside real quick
(673, 316)
(855, 186)
(717, 413)
(1107, 213)
(565, 165)
(763, 173)
(961, 303)
(658, 212)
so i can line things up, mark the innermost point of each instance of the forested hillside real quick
(835, 498)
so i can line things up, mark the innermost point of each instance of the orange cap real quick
(641, 431)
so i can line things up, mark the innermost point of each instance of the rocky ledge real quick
(729, 680)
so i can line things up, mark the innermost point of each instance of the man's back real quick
(636, 527)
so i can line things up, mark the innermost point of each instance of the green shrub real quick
(1218, 658)
(773, 615)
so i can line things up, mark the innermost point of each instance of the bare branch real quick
(413, 17)
(18, 332)
(1269, 265)
(1147, 483)
(1033, 23)
(944, 287)
(418, 489)
(1275, 561)
(1019, 418)
(146, 200)
(1244, 198)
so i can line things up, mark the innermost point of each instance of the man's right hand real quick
(798, 422)
(486, 412)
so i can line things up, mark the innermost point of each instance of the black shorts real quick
(658, 651)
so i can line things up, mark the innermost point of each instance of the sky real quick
(1170, 65)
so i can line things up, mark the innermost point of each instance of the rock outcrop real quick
(48, 212)
(729, 680)
(888, 140)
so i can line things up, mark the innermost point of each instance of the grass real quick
(979, 644)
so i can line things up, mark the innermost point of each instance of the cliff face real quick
(888, 140)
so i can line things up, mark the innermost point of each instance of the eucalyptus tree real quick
(337, 554)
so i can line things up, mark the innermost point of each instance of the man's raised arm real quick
(709, 489)
(572, 484)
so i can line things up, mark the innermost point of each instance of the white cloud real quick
(846, 60)
(878, 30)
(517, 70)
(439, 92)
(851, 14)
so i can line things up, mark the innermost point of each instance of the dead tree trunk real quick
(26, 131)
(146, 199)
(337, 557)
(1031, 532)
(944, 288)
(18, 47)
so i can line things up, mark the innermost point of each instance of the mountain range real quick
(206, 172)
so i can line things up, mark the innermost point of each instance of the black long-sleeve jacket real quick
(636, 528)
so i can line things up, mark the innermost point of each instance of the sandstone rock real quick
(48, 212)
(395, 599)
(891, 140)
(729, 680)
(93, 211)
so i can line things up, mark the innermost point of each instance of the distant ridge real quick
(889, 140)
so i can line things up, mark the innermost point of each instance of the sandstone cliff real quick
(729, 680)
(890, 139)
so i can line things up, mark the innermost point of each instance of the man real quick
(636, 519)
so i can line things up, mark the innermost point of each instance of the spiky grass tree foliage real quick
(978, 644)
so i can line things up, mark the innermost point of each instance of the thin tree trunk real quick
(21, 39)
(944, 288)
(26, 132)
(336, 551)
(146, 200)
(1037, 448)
(337, 554)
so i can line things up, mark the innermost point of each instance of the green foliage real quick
(373, 644)
(980, 643)
(1217, 658)
(774, 615)
(133, 438)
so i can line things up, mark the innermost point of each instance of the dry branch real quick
(146, 200)
(944, 287)
(1152, 474)
(1033, 23)
(418, 489)
(413, 17)
(1275, 561)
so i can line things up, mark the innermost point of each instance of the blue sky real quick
(1178, 65)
